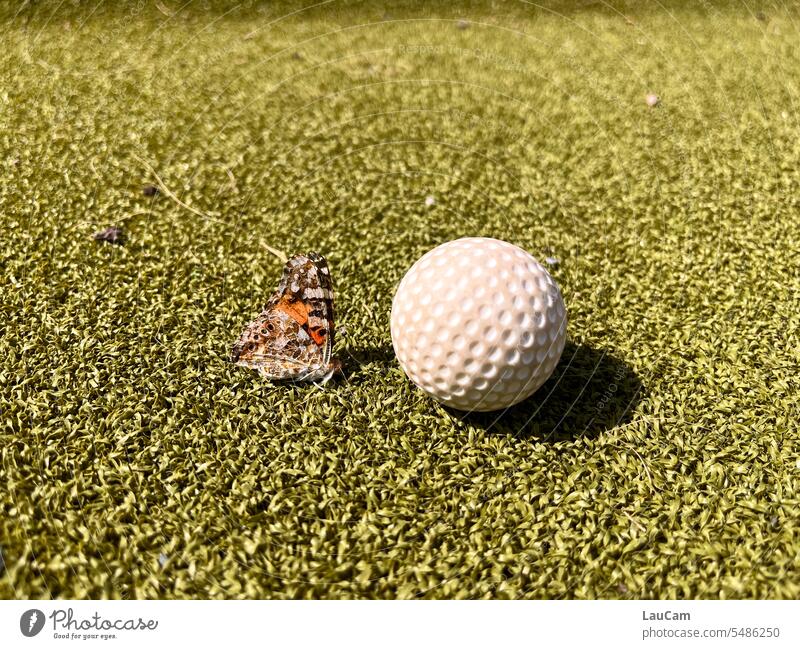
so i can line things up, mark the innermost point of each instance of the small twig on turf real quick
(171, 195)
(280, 255)
(231, 178)
(160, 6)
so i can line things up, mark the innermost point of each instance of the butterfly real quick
(292, 338)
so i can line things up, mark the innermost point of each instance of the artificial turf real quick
(662, 458)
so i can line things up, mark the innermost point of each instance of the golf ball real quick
(478, 324)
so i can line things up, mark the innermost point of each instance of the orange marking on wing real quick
(298, 311)
(295, 310)
(318, 335)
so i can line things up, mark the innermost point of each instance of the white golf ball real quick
(478, 324)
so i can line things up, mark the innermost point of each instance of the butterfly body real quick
(292, 338)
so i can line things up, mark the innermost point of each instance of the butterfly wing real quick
(319, 297)
(293, 337)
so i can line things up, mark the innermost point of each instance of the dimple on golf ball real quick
(478, 324)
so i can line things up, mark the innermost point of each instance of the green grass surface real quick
(662, 458)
